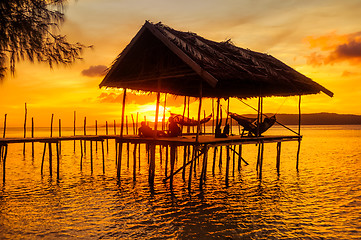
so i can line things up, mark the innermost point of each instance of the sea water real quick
(322, 200)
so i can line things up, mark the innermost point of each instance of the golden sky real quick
(321, 39)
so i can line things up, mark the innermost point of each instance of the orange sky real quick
(321, 39)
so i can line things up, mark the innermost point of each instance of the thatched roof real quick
(162, 59)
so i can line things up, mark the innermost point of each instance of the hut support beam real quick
(119, 162)
(278, 157)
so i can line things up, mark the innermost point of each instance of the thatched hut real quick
(161, 59)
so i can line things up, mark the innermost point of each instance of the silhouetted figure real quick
(145, 130)
(173, 129)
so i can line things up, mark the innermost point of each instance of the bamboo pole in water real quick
(103, 157)
(278, 159)
(50, 160)
(59, 136)
(57, 159)
(96, 134)
(4, 160)
(127, 132)
(26, 114)
(165, 103)
(74, 128)
(299, 132)
(4, 130)
(227, 165)
(135, 161)
(32, 135)
(106, 133)
(84, 135)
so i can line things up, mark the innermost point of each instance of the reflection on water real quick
(321, 201)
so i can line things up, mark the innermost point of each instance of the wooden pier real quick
(193, 151)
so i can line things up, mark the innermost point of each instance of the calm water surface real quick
(321, 201)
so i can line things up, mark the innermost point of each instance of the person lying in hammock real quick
(250, 124)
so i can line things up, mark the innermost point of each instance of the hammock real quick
(250, 124)
(184, 121)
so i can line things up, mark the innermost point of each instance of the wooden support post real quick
(239, 156)
(227, 165)
(213, 115)
(81, 154)
(42, 160)
(164, 109)
(191, 168)
(133, 124)
(59, 135)
(50, 160)
(91, 156)
(96, 134)
(57, 160)
(151, 164)
(32, 135)
(135, 161)
(84, 135)
(184, 162)
(26, 114)
(136, 126)
(278, 160)
(166, 160)
(220, 156)
(261, 160)
(103, 157)
(4, 160)
(106, 132)
(128, 146)
(119, 163)
(74, 128)
(214, 159)
(160, 154)
(299, 132)
(204, 168)
(173, 150)
(4, 130)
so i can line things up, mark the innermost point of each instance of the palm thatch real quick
(161, 59)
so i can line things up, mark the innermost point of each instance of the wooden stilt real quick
(59, 136)
(32, 135)
(160, 154)
(91, 156)
(74, 127)
(4, 161)
(4, 130)
(239, 156)
(135, 161)
(128, 144)
(234, 159)
(191, 169)
(220, 156)
(152, 165)
(184, 162)
(119, 163)
(50, 160)
(106, 133)
(278, 160)
(103, 157)
(166, 160)
(26, 114)
(84, 135)
(96, 134)
(299, 132)
(227, 165)
(42, 160)
(214, 159)
(173, 150)
(261, 160)
(57, 160)
(213, 115)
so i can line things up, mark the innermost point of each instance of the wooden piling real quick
(239, 156)
(103, 158)
(96, 134)
(227, 165)
(127, 133)
(299, 132)
(74, 128)
(106, 133)
(57, 160)
(43, 158)
(50, 160)
(135, 161)
(84, 135)
(32, 135)
(4, 130)
(91, 156)
(4, 161)
(119, 163)
(278, 159)
(26, 114)
(214, 159)
(173, 150)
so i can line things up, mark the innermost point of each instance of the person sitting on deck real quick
(145, 130)
(173, 129)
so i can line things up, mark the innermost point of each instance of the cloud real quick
(94, 71)
(335, 48)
